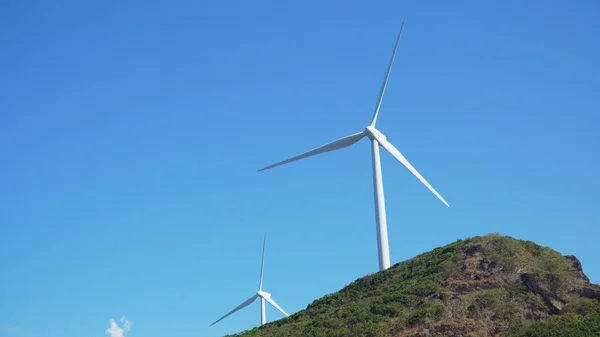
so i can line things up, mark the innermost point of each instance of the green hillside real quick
(483, 286)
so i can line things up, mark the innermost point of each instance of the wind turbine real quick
(264, 296)
(377, 139)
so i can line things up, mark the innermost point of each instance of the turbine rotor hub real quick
(373, 133)
(263, 293)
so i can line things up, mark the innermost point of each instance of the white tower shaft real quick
(380, 219)
(263, 312)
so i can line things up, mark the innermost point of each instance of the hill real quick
(489, 285)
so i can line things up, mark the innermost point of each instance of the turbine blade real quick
(245, 304)
(394, 152)
(387, 76)
(272, 302)
(262, 265)
(335, 145)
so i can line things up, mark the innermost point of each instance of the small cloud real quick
(115, 330)
(126, 323)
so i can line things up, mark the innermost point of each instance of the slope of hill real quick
(489, 285)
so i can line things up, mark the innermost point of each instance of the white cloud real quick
(126, 323)
(115, 330)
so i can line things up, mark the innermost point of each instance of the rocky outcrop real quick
(532, 282)
(577, 265)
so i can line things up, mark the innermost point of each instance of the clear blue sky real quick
(131, 133)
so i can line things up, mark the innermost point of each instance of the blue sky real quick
(131, 133)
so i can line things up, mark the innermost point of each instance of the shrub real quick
(583, 306)
(565, 325)
(428, 311)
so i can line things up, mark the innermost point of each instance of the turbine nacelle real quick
(374, 134)
(263, 294)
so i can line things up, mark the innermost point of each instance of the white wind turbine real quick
(377, 139)
(264, 296)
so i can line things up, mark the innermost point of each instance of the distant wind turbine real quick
(377, 139)
(264, 296)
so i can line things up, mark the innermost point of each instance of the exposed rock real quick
(591, 291)
(532, 282)
(575, 261)
(577, 265)
(490, 266)
(473, 250)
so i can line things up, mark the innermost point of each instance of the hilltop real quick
(489, 285)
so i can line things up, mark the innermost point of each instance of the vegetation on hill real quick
(489, 285)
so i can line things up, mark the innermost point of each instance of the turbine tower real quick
(264, 296)
(377, 139)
